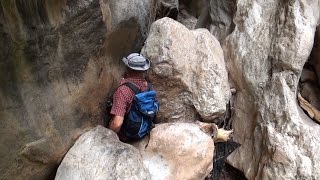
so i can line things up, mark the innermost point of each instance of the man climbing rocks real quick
(134, 102)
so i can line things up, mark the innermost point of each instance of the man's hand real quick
(116, 123)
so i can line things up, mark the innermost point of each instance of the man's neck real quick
(135, 75)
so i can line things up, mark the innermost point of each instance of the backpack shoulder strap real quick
(133, 87)
(150, 85)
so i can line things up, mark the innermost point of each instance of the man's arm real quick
(116, 123)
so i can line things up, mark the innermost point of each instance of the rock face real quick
(167, 8)
(216, 16)
(59, 60)
(186, 19)
(194, 7)
(178, 151)
(188, 72)
(98, 154)
(221, 15)
(265, 56)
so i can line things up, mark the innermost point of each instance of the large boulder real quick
(177, 151)
(188, 70)
(98, 154)
(59, 60)
(265, 55)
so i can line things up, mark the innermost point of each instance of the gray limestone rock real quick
(221, 15)
(265, 56)
(167, 8)
(186, 19)
(188, 70)
(98, 154)
(177, 151)
(217, 17)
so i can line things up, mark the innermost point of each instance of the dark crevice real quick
(215, 15)
(222, 170)
(167, 9)
(309, 83)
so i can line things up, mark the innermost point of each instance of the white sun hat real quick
(136, 62)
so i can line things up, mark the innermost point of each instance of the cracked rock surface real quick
(265, 56)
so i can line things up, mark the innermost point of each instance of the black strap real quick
(133, 87)
(149, 86)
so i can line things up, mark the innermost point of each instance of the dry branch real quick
(218, 135)
(312, 111)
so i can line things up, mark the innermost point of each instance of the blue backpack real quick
(138, 122)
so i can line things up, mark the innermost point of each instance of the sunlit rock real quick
(265, 55)
(177, 151)
(98, 154)
(188, 70)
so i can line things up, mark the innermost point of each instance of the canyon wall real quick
(265, 56)
(59, 62)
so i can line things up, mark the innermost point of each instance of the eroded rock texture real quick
(188, 70)
(167, 8)
(194, 7)
(221, 14)
(214, 15)
(178, 151)
(265, 56)
(59, 60)
(98, 154)
(186, 19)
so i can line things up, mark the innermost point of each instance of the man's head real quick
(136, 62)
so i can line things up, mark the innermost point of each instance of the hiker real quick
(131, 120)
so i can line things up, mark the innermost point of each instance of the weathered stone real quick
(186, 19)
(194, 7)
(188, 71)
(178, 151)
(167, 8)
(221, 15)
(98, 154)
(265, 55)
(217, 17)
(59, 60)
